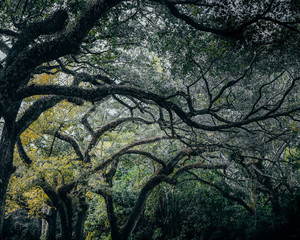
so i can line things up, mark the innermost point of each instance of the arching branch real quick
(35, 110)
(107, 127)
(26, 159)
(69, 139)
(148, 155)
(125, 149)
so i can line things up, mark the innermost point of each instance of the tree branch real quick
(94, 95)
(124, 151)
(26, 159)
(53, 24)
(8, 32)
(109, 126)
(190, 166)
(4, 48)
(136, 212)
(67, 138)
(85, 122)
(35, 110)
(148, 155)
(65, 43)
(176, 13)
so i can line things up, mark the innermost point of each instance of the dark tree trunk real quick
(6, 168)
(139, 206)
(52, 225)
(66, 211)
(63, 203)
(66, 234)
(115, 233)
(69, 209)
(81, 216)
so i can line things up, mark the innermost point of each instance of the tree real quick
(90, 46)
(65, 182)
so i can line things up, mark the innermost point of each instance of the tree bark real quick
(6, 168)
(139, 206)
(52, 224)
(81, 216)
(66, 235)
(80, 225)
(115, 233)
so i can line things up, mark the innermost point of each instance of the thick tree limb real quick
(4, 48)
(65, 43)
(26, 159)
(137, 210)
(85, 122)
(51, 193)
(104, 91)
(190, 166)
(176, 13)
(69, 139)
(35, 110)
(8, 32)
(51, 25)
(160, 176)
(148, 155)
(233, 32)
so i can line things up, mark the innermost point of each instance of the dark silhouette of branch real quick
(95, 95)
(148, 155)
(69, 139)
(35, 110)
(108, 127)
(125, 149)
(26, 159)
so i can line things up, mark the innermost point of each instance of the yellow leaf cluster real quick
(36, 200)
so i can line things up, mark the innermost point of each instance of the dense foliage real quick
(155, 119)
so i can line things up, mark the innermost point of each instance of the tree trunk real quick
(6, 162)
(81, 215)
(80, 225)
(139, 206)
(44, 229)
(115, 233)
(52, 224)
(69, 210)
(66, 235)
(66, 211)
